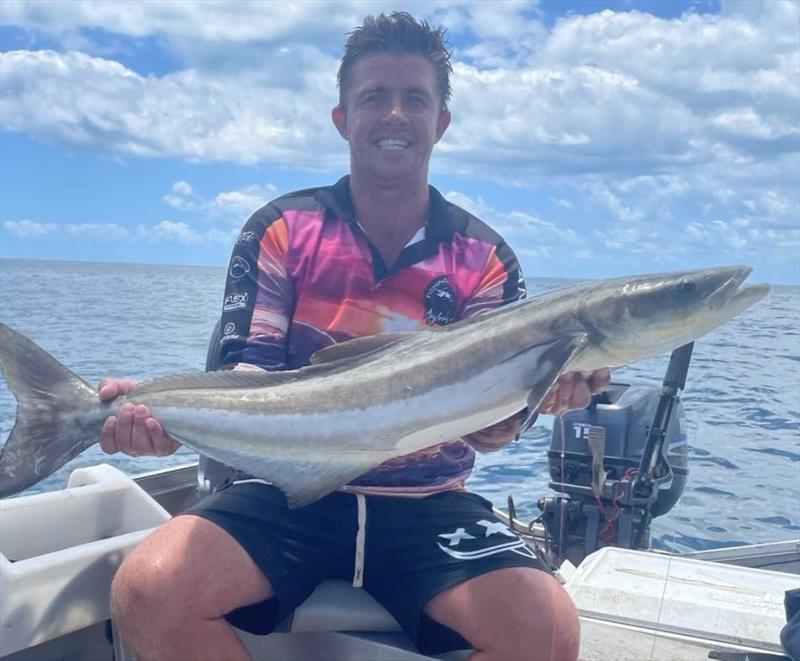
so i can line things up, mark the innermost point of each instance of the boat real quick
(59, 551)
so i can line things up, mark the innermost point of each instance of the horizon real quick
(222, 267)
(601, 138)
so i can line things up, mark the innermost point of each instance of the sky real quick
(601, 138)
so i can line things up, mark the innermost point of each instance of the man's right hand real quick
(133, 431)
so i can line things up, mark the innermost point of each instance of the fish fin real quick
(220, 379)
(47, 432)
(358, 347)
(322, 361)
(303, 480)
(304, 484)
(551, 364)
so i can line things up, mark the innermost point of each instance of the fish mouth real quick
(730, 294)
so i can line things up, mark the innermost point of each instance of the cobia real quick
(312, 430)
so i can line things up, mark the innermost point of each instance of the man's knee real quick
(565, 643)
(517, 613)
(188, 569)
(145, 592)
(546, 621)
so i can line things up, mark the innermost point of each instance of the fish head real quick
(645, 316)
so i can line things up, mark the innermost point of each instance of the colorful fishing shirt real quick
(304, 275)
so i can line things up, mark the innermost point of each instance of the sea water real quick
(742, 398)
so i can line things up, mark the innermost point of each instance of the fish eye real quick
(687, 288)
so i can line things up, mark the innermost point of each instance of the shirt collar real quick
(443, 221)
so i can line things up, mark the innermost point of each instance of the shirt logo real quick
(235, 302)
(440, 302)
(239, 268)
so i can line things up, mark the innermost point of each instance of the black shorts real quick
(414, 549)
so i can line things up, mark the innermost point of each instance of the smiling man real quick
(379, 251)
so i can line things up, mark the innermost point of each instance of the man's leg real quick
(171, 594)
(515, 613)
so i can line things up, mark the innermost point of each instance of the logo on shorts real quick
(482, 539)
(239, 268)
(440, 302)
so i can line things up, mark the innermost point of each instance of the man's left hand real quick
(573, 391)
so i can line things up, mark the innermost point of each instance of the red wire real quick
(608, 532)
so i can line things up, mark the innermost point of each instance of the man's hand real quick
(496, 437)
(134, 431)
(573, 391)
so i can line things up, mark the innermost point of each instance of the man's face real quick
(391, 116)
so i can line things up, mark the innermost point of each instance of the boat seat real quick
(337, 606)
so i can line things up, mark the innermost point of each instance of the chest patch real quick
(440, 302)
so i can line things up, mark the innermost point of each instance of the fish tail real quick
(58, 413)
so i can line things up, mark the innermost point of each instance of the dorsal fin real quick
(358, 347)
(221, 379)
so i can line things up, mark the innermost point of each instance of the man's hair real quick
(399, 32)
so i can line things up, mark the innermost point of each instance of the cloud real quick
(181, 196)
(95, 231)
(244, 201)
(30, 229)
(95, 103)
(746, 122)
(624, 92)
(230, 34)
(740, 236)
(164, 232)
(532, 236)
(235, 205)
(246, 22)
(658, 218)
(678, 220)
(658, 130)
(701, 88)
(172, 232)
(211, 20)
(500, 34)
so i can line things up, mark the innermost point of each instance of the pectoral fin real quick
(552, 363)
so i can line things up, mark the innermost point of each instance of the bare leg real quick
(171, 593)
(514, 613)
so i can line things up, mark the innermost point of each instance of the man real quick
(379, 251)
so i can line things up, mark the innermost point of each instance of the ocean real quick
(742, 398)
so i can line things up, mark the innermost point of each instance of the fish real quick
(312, 430)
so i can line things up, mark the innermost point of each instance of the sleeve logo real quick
(239, 268)
(235, 302)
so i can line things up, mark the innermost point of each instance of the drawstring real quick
(358, 573)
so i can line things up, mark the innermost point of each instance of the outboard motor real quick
(618, 463)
